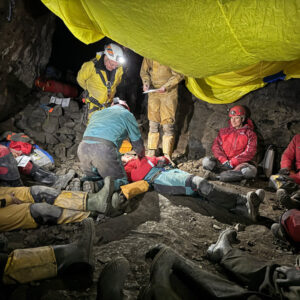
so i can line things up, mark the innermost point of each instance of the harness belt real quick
(100, 140)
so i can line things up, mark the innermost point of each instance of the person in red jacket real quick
(288, 178)
(233, 148)
(158, 172)
(290, 160)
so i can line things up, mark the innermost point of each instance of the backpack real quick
(290, 226)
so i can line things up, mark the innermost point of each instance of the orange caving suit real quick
(161, 106)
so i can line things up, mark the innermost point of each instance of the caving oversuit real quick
(161, 106)
(99, 84)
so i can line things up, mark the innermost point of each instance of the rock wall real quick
(26, 29)
(274, 109)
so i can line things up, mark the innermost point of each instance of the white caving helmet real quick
(115, 53)
(118, 101)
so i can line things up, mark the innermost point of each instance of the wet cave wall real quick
(26, 29)
(32, 38)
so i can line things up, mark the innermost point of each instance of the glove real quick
(227, 165)
(161, 163)
(291, 276)
(284, 171)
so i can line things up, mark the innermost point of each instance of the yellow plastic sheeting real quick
(231, 86)
(197, 38)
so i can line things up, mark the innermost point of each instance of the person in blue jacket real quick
(98, 152)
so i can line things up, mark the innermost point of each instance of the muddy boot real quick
(111, 280)
(286, 201)
(252, 204)
(261, 194)
(88, 187)
(163, 260)
(63, 180)
(43, 176)
(101, 202)
(209, 163)
(79, 252)
(44, 213)
(231, 176)
(216, 251)
(277, 231)
(75, 185)
(172, 276)
(41, 193)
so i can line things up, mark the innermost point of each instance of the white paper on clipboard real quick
(150, 91)
(22, 160)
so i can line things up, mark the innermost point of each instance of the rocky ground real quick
(186, 224)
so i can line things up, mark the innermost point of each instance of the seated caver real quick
(29, 207)
(10, 173)
(166, 180)
(233, 149)
(26, 265)
(288, 177)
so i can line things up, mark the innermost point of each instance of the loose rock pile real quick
(57, 129)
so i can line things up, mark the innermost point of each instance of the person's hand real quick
(227, 165)
(284, 171)
(161, 90)
(145, 87)
(291, 276)
(14, 199)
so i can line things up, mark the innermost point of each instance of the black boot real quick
(43, 176)
(231, 176)
(79, 252)
(56, 181)
(111, 280)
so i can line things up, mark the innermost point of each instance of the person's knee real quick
(44, 213)
(209, 163)
(204, 187)
(168, 129)
(42, 193)
(249, 171)
(153, 126)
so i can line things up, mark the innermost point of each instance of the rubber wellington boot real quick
(56, 181)
(216, 251)
(79, 252)
(252, 204)
(111, 280)
(101, 202)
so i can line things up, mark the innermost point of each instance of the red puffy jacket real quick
(235, 145)
(291, 154)
(137, 169)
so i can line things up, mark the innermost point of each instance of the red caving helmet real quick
(237, 110)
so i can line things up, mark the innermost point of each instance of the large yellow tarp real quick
(199, 38)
